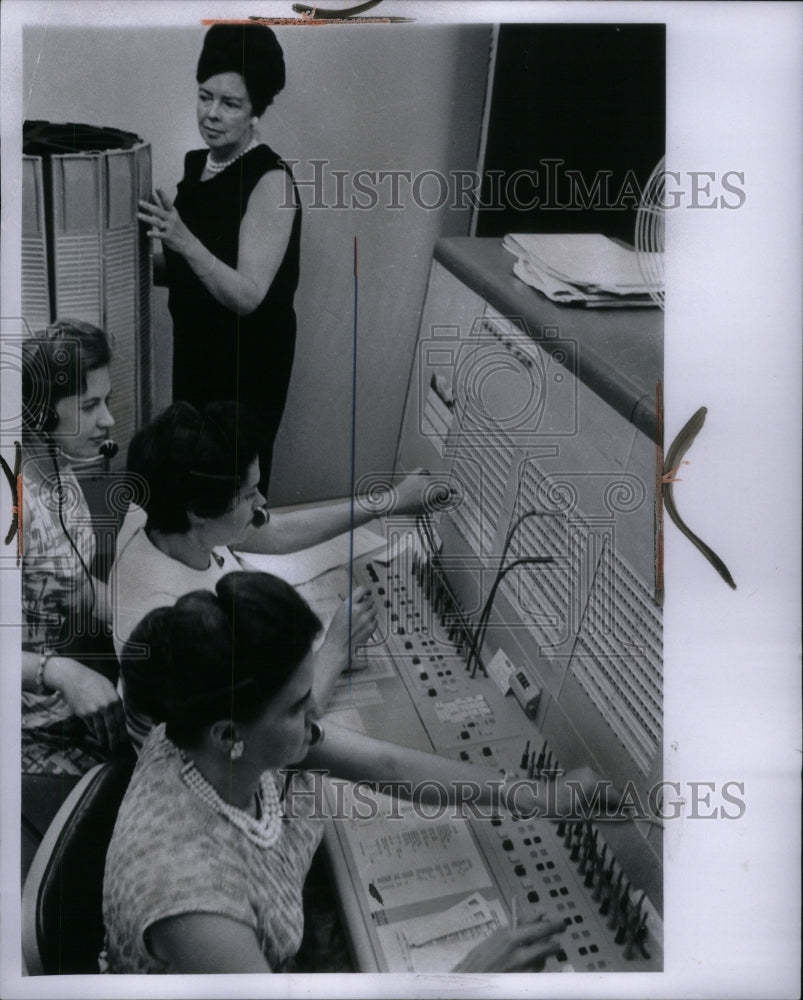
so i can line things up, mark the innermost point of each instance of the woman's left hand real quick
(165, 222)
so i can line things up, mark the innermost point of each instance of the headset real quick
(261, 514)
(51, 362)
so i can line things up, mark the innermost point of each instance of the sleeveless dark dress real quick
(218, 354)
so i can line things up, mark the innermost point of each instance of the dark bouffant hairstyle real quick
(217, 656)
(193, 462)
(55, 364)
(253, 51)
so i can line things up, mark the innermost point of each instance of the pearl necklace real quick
(264, 832)
(215, 168)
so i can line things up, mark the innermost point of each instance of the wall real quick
(380, 98)
(589, 97)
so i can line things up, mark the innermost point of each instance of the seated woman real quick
(199, 475)
(203, 872)
(71, 713)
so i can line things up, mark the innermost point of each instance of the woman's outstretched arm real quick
(345, 753)
(300, 528)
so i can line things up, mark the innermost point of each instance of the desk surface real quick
(620, 351)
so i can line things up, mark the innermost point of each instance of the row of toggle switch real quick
(443, 602)
(421, 611)
(544, 764)
(611, 891)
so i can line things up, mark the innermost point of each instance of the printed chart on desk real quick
(422, 880)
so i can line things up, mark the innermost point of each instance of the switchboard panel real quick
(519, 619)
(420, 887)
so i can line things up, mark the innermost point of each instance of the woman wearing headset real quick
(71, 713)
(200, 474)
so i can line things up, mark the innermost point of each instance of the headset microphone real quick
(261, 517)
(108, 450)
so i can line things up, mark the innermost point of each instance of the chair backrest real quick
(62, 918)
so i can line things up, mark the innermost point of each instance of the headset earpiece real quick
(38, 416)
(261, 516)
(48, 420)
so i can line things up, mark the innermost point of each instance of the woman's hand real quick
(514, 949)
(583, 791)
(363, 619)
(165, 222)
(91, 697)
(420, 491)
(356, 623)
(411, 493)
(578, 794)
(264, 237)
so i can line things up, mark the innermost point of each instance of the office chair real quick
(62, 919)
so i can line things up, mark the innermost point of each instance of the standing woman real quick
(232, 237)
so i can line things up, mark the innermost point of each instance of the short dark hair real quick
(55, 364)
(217, 656)
(193, 462)
(253, 51)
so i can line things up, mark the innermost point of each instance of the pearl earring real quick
(237, 749)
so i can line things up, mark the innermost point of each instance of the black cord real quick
(505, 547)
(482, 622)
(60, 498)
(485, 615)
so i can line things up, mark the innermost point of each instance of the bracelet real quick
(317, 733)
(203, 277)
(44, 656)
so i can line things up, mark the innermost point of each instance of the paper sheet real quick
(438, 941)
(349, 718)
(300, 567)
(410, 860)
(356, 696)
(585, 259)
(499, 670)
(326, 593)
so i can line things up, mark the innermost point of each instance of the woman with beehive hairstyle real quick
(231, 239)
(208, 859)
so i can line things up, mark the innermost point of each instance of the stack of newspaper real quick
(583, 268)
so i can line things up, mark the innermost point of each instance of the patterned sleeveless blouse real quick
(171, 853)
